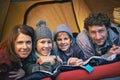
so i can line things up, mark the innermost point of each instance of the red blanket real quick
(100, 72)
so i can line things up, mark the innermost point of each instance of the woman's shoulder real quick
(4, 60)
(3, 53)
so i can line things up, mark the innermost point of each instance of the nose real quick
(98, 36)
(62, 41)
(46, 44)
(24, 45)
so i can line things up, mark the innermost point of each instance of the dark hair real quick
(97, 19)
(25, 29)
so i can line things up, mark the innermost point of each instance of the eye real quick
(66, 38)
(93, 32)
(101, 31)
(19, 42)
(49, 41)
(59, 39)
(29, 42)
(42, 42)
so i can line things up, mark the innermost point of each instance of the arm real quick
(51, 59)
(17, 74)
(114, 50)
(74, 61)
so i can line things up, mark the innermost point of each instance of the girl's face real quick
(23, 45)
(63, 41)
(44, 46)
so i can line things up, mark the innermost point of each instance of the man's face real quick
(98, 34)
(63, 41)
(23, 45)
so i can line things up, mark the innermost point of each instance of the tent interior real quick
(54, 12)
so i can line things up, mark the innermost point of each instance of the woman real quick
(14, 50)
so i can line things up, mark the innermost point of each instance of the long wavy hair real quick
(10, 42)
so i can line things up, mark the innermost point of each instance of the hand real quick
(74, 61)
(17, 74)
(57, 58)
(43, 59)
(114, 50)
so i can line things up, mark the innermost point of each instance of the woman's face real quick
(23, 45)
(44, 46)
(63, 41)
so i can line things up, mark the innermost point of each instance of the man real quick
(99, 38)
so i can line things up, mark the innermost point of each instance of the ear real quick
(87, 32)
(71, 40)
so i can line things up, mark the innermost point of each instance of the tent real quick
(55, 12)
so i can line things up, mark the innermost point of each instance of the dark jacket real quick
(74, 51)
(31, 65)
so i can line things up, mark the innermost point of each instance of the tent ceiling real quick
(102, 5)
(106, 6)
(94, 5)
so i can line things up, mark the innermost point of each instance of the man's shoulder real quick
(115, 29)
(82, 37)
(83, 32)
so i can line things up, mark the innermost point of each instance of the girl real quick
(43, 59)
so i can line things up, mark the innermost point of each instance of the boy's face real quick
(63, 41)
(23, 45)
(44, 46)
(98, 34)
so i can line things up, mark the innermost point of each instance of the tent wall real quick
(81, 11)
(54, 14)
(4, 5)
(12, 13)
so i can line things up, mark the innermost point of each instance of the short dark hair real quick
(97, 19)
